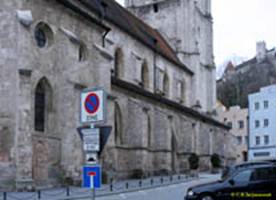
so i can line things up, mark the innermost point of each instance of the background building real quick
(262, 109)
(237, 119)
(237, 83)
(51, 50)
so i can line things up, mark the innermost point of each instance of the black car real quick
(228, 170)
(255, 181)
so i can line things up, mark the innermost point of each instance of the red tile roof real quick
(126, 21)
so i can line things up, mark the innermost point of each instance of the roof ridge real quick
(138, 29)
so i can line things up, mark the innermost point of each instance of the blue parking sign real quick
(94, 170)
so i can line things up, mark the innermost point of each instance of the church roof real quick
(229, 67)
(113, 12)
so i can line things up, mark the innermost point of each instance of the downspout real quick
(154, 66)
(104, 36)
(103, 9)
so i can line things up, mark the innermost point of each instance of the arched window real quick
(173, 151)
(83, 52)
(119, 63)
(181, 91)
(118, 126)
(43, 104)
(166, 85)
(43, 35)
(145, 75)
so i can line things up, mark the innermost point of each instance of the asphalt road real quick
(171, 192)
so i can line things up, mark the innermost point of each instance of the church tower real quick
(187, 26)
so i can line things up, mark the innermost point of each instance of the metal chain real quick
(51, 194)
(11, 196)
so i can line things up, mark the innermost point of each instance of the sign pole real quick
(92, 187)
(93, 112)
(92, 126)
(92, 174)
(93, 194)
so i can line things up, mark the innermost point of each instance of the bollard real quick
(171, 178)
(162, 180)
(5, 195)
(127, 185)
(140, 183)
(111, 187)
(39, 194)
(179, 177)
(67, 191)
(151, 181)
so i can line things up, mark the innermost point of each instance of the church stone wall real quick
(135, 53)
(34, 158)
(23, 64)
(166, 124)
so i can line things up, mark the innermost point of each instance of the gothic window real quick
(166, 85)
(43, 35)
(173, 151)
(159, 80)
(40, 37)
(155, 8)
(137, 64)
(146, 130)
(145, 75)
(43, 104)
(119, 63)
(118, 126)
(82, 52)
(181, 91)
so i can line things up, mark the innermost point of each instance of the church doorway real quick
(40, 160)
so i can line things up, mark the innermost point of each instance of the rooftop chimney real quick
(261, 51)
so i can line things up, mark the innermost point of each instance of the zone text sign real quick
(91, 139)
(93, 106)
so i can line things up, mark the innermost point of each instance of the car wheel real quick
(206, 197)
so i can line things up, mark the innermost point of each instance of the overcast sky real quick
(239, 24)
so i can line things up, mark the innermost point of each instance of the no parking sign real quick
(93, 106)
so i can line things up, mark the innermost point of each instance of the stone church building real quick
(155, 61)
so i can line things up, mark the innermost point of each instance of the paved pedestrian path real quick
(131, 189)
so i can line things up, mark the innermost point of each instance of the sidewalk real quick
(121, 187)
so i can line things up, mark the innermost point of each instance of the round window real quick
(40, 37)
(43, 35)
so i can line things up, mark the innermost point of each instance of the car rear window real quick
(266, 173)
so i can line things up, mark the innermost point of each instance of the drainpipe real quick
(104, 36)
(154, 66)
